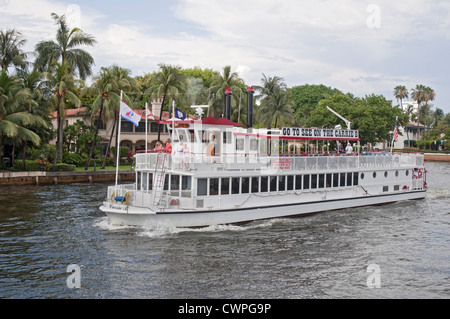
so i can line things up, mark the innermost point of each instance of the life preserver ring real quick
(419, 173)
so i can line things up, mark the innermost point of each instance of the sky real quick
(356, 46)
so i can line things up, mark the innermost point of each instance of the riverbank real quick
(437, 157)
(54, 178)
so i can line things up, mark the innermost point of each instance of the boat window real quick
(336, 180)
(175, 185)
(305, 181)
(166, 182)
(349, 179)
(227, 137)
(374, 174)
(329, 180)
(396, 187)
(239, 144)
(186, 186)
(245, 185)
(281, 183)
(396, 173)
(225, 186)
(362, 175)
(273, 183)
(202, 187)
(355, 179)
(253, 145)
(290, 183)
(321, 180)
(235, 184)
(144, 181)
(298, 182)
(386, 174)
(213, 186)
(264, 180)
(313, 181)
(255, 184)
(407, 173)
(138, 182)
(342, 183)
(385, 188)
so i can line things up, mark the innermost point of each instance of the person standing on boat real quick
(159, 147)
(349, 149)
(168, 146)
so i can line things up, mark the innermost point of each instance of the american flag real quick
(395, 136)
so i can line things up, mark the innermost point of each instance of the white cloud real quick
(305, 41)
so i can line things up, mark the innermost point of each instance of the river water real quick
(44, 229)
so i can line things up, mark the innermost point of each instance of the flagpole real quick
(393, 134)
(118, 146)
(146, 127)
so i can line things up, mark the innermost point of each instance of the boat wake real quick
(165, 230)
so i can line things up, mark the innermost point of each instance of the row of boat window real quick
(264, 184)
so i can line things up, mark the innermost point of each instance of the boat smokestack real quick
(228, 94)
(250, 92)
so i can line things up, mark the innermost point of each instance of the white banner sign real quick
(321, 133)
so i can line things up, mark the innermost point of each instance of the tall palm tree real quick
(400, 93)
(419, 95)
(169, 82)
(66, 49)
(10, 50)
(121, 80)
(61, 83)
(279, 109)
(107, 86)
(226, 80)
(15, 120)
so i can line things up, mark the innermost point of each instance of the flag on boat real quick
(180, 115)
(395, 136)
(148, 113)
(128, 114)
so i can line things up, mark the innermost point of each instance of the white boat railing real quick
(245, 162)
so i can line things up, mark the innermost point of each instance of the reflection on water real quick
(44, 229)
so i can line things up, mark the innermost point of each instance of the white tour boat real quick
(219, 173)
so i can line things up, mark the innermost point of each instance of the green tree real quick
(66, 49)
(169, 83)
(400, 93)
(61, 83)
(121, 82)
(11, 53)
(107, 85)
(222, 81)
(307, 97)
(15, 120)
(277, 110)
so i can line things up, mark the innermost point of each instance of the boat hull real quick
(122, 215)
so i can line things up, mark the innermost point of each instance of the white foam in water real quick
(104, 224)
(154, 230)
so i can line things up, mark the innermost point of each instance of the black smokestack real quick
(250, 92)
(228, 94)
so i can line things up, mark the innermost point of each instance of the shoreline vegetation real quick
(55, 81)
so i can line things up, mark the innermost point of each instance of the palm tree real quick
(66, 49)
(10, 50)
(279, 109)
(169, 82)
(419, 95)
(400, 93)
(108, 87)
(226, 80)
(121, 80)
(15, 120)
(61, 83)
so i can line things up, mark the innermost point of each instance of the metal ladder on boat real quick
(158, 180)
